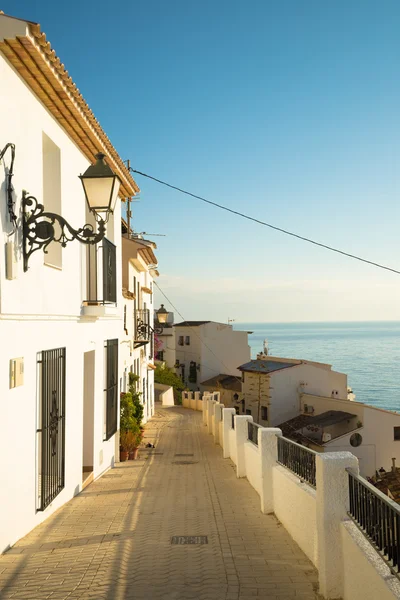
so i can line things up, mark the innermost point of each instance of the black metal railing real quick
(298, 459)
(233, 421)
(143, 331)
(252, 432)
(378, 518)
(51, 425)
(111, 390)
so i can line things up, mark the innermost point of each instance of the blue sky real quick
(286, 110)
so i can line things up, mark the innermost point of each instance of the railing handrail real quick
(251, 426)
(381, 495)
(282, 437)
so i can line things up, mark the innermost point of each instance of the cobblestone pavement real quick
(113, 541)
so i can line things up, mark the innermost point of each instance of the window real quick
(248, 411)
(193, 372)
(109, 271)
(264, 413)
(111, 389)
(101, 261)
(242, 376)
(125, 328)
(396, 431)
(180, 340)
(51, 425)
(160, 355)
(187, 340)
(356, 440)
(51, 157)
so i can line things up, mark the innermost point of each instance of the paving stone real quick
(114, 539)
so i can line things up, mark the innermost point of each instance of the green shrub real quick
(166, 376)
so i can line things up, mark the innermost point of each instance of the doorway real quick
(88, 418)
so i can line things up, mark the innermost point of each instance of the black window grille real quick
(51, 425)
(378, 517)
(264, 413)
(111, 390)
(252, 432)
(109, 271)
(180, 340)
(142, 323)
(298, 459)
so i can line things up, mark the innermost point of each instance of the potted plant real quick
(135, 437)
(124, 445)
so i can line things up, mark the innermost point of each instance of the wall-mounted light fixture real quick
(40, 228)
(9, 186)
(162, 315)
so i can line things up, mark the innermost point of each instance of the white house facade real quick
(271, 386)
(138, 271)
(60, 311)
(204, 349)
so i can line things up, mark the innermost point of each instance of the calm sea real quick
(368, 352)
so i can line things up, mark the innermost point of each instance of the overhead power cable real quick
(280, 229)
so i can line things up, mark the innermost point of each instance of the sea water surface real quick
(368, 352)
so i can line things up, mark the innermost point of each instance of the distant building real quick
(334, 425)
(272, 386)
(200, 350)
(230, 389)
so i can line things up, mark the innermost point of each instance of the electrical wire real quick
(280, 229)
(194, 331)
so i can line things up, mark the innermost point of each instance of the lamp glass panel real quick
(115, 194)
(98, 192)
(162, 317)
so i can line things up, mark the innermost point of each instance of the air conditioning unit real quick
(326, 437)
(309, 410)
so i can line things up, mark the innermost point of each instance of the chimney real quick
(393, 465)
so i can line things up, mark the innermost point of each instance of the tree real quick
(166, 376)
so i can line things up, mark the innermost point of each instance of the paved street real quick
(113, 541)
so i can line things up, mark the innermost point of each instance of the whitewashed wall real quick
(42, 309)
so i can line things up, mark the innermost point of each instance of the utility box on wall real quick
(16, 372)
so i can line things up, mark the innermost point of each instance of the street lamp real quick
(40, 228)
(162, 315)
(101, 186)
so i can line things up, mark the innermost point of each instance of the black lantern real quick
(101, 186)
(162, 315)
(40, 227)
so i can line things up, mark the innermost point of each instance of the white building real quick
(272, 386)
(204, 349)
(60, 320)
(372, 434)
(138, 269)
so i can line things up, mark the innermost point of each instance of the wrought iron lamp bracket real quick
(40, 228)
(145, 329)
(9, 186)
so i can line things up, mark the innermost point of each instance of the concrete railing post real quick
(268, 446)
(210, 415)
(332, 506)
(226, 427)
(241, 435)
(217, 420)
(205, 408)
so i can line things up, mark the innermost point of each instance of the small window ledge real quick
(98, 309)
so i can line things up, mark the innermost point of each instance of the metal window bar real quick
(378, 517)
(252, 432)
(109, 271)
(142, 322)
(111, 390)
(233, 421)
(51, 429)
(298, 459)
